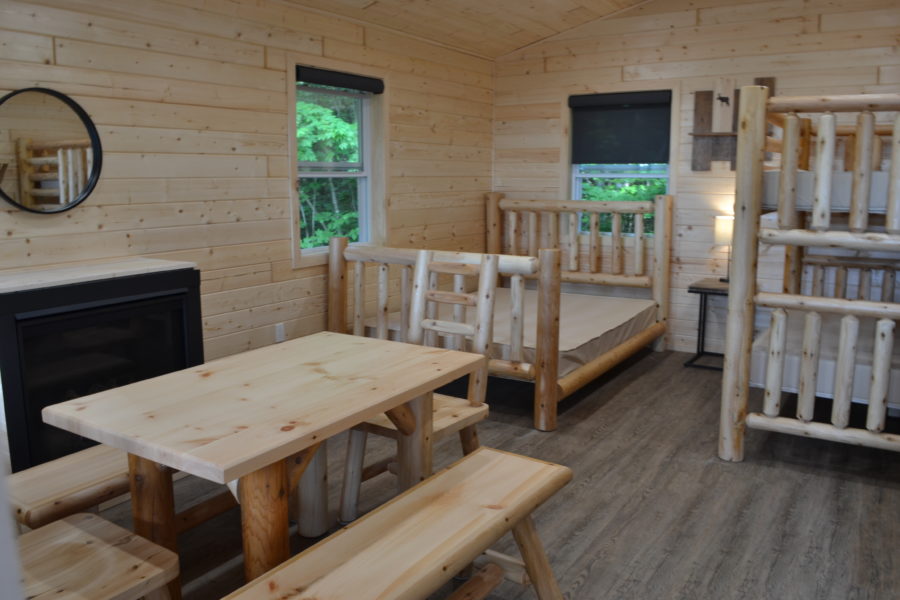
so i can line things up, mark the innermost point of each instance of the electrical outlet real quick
(279, 332)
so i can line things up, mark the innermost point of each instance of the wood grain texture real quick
(262, 406)
(191, 104)
(411, 546)
(84, 556)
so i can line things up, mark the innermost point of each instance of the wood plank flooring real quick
(651, 512)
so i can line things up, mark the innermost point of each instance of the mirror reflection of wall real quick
(47, 153)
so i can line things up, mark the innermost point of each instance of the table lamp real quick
(722, 237)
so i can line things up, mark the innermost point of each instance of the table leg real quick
(312, 518)
(153, 509)
(264, 519)
(414, 450)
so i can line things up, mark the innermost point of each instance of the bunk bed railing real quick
(796, 232)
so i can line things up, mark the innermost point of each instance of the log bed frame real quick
(553, 256)
(857, 234)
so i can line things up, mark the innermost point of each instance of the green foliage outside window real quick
(328, 141)
(608, 189)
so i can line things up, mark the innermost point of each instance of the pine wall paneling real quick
(190, 101)
(810, 46)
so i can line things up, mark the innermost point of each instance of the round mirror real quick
(50, 152)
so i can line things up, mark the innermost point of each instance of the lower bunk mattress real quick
(588, 325)
(828, 350)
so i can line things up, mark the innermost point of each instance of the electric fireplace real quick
(64, 339)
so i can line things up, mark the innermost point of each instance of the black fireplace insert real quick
(64, 342)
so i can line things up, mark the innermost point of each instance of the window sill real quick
(312, 257)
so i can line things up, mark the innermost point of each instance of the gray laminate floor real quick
(651, 512)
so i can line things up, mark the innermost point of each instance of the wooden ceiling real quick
(488, 28)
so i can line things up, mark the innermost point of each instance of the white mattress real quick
(827, 359)
(588, 325)
(841, 184)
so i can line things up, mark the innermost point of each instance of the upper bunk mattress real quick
(841, 185)
(828, 350)
(588, 325)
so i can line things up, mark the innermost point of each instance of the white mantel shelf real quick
(19, 280)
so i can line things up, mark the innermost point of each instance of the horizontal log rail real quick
(825, 431)
(581, 206)
(509, 265)
(859, 308)
(870, 241)
(848, 103)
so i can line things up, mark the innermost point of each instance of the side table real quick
(711, 286)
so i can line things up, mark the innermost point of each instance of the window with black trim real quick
(334, 155)
(620, 149)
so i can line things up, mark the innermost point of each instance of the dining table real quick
(259, 417)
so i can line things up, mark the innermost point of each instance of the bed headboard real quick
(589, 254)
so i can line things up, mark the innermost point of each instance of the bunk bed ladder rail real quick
(795, 147)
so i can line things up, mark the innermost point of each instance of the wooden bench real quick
(67, 485)
(85, 479)
(412, 545)
(83, 556)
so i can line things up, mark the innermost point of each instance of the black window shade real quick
(338, 79)
(623, 128)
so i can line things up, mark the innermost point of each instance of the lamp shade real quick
(723, 229)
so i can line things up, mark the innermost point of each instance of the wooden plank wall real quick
(190, 100)
(810, 46)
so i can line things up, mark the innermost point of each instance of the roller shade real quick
(338, 79)
(629, 127)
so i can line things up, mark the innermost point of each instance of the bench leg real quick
(313, 492)
(353, 474)
(536, 562)
(153, 510)
(264, 519)
(468, 437)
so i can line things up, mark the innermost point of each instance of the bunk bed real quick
(829, 336)
(561, 339)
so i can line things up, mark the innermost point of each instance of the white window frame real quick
(363, 176)
(378, 137)
(577, 176)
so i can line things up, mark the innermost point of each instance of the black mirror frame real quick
(96, 149)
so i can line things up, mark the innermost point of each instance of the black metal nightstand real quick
(711, 286)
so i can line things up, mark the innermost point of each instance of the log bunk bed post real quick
(823, 232)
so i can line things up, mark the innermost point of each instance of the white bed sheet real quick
(588, 325)
(827, 359)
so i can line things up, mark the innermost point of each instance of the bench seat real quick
(449, 415)
(83, 556)
(412, 545)
(68, 485)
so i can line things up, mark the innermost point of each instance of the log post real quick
(821, 212)
(788, 218)
(892, 222)
(739, 325)
(881, 371)
(775, 365)
(337, 285)
(153, 507)
(264, 518)
(662, 272)
(536, 562)
(843, 371)
(546, 354)
(809, 366)
(312, 520)
(862, 172)
(493, 223)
